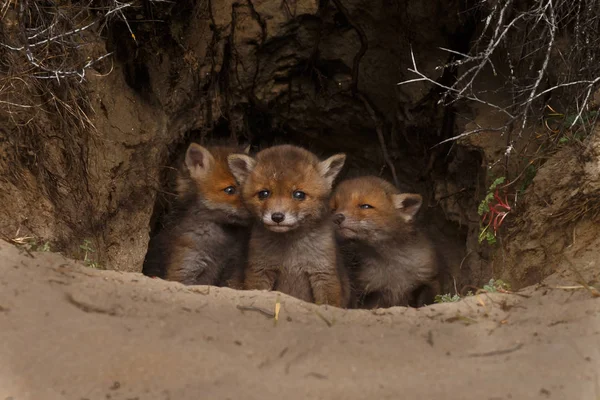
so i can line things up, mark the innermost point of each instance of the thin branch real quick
(469, 133)
(15, 104)
(542, 71)
(423, 77)
(380, 136)
(526, 38)
(585, 101)
(40, 59)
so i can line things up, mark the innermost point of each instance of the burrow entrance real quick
(322, 77)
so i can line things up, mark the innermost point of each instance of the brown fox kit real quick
(390, 259)
(205, 242)
(292, 244)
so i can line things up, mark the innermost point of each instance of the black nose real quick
(339, 218)
(277, 217)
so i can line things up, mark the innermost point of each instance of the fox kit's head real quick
(371, 209)
(286, 186)
(211, 183)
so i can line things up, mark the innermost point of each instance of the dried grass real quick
(580, 205)
(47, 49)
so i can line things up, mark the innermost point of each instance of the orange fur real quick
(294, 253)
(209, 187)
(391, 258)
(349, 195)
(205, 240)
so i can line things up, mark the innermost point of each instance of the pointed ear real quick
(408, 204)
(330, 168)
(240, 165)
(247, 149)
(198, 160)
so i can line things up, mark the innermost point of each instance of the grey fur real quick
(388, 272)
(198, 247)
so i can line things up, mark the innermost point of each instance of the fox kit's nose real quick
(277, 217)
(339, 218)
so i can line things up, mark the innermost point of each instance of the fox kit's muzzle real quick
(278, 221)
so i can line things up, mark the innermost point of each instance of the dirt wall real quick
(319, 74)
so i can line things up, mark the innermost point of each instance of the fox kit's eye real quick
(299, 195)
(229, 190)
(365, 206)
(263, 194)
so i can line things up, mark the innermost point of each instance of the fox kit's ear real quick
(198, 160)
(240, 165)
(247, 149)
(408, 204)
(330, 168)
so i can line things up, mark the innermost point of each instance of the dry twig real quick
(526, 36)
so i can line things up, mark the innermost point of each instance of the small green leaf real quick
(446, 298)
(497, 182)
(484, 206)
(490, 237)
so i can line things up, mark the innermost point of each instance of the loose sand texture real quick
(72, 332)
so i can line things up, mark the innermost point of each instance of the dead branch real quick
(526, 36)
(379, 129)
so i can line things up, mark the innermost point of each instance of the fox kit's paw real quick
(234, 283)
(330, 294)
(259, 280)
(336, 302)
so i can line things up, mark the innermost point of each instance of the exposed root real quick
(368, 104)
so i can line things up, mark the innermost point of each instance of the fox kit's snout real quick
(371, 209)
(286, 187)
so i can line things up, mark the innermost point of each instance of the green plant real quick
(31, 243)
(87, 249)
(44, 247)
(585, 118)
(446, 298)
(494, 286)
(528, 175)
(449, 298)
(492, 214)
(569, 125)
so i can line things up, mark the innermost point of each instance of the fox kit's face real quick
(370, 209)
(286, 187)
(213, 182)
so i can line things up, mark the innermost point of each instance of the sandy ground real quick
(71, 332)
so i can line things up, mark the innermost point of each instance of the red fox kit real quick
(205, 242)
(292, 244)
(390, 258)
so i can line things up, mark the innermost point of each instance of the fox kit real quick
(206, 241)
(292, 244)
(391, 261)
